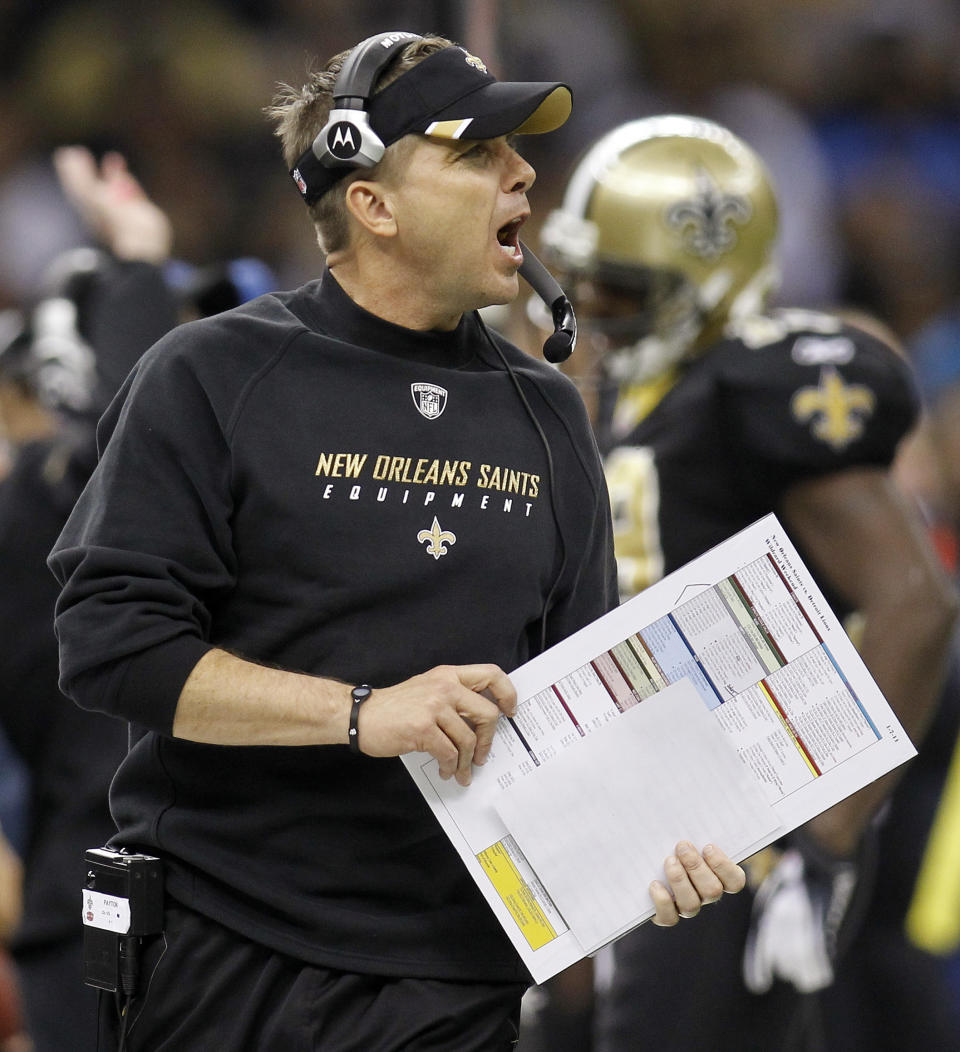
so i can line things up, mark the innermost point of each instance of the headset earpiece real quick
(347, 140)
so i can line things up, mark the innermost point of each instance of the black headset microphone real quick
(348, 141)
(560, 345)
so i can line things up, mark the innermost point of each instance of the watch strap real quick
(359, 695)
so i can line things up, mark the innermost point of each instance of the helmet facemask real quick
(638, 328)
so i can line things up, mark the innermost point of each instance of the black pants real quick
(681, 989)
(204, 987)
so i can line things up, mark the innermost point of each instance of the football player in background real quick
(712, 410)
(98, 310)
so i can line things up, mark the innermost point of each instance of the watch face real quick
(361, 693)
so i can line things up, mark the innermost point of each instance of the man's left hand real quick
(695, 880)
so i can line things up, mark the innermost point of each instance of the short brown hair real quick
(300, 114)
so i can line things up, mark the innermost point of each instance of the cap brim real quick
(503, 108)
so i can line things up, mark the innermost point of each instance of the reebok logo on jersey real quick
(817, 350)
(429, 399)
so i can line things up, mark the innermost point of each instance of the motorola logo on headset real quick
(343, 140)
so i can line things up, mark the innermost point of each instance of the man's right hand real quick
(450, 712)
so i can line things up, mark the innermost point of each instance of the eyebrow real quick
(511, 141)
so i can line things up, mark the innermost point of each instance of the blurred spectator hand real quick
(113, 204)
(11, 880)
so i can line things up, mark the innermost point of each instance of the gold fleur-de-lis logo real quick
(705, 222)
(472, 60)
(838, 410)
(438, 538)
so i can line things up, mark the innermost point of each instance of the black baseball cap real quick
(449, 95)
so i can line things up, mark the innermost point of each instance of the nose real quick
(519, 176)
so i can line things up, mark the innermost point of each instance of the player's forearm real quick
(907, 650)
(229, 701)
(906, 647)
(866, 540)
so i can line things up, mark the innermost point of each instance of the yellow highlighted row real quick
(516, 896)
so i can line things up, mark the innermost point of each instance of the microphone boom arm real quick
(560, 345)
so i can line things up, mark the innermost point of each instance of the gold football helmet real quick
(676, 216)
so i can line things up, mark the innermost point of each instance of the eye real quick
(485, 151)
(478, 151)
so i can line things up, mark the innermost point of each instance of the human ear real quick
(370, 207)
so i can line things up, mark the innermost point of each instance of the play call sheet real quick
(723, 704)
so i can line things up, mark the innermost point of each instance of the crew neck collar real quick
(333, 312)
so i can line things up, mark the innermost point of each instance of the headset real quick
(348, 141)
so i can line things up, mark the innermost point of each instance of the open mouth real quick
(508, 236)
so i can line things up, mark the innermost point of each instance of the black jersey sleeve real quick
(586, 588)
(806, 396)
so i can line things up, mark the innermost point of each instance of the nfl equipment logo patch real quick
(429, 399)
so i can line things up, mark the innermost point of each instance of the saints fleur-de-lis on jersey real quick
(438, 538)
(705, 222)
(837, 409)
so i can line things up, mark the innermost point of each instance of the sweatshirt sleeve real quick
(588, 588)
(147, 547)
(593, 570)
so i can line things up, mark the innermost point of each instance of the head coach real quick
(322, 525)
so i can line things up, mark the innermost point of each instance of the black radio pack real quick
(122, 902)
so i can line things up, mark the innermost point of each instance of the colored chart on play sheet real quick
(756, 661)
(746, 632)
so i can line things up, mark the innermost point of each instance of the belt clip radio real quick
(122, 902)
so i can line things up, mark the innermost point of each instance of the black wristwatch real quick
(359, 696)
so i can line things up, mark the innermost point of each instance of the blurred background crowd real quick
(854, 104)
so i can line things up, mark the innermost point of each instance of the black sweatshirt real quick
(308, 486)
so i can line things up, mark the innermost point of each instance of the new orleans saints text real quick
(426, 471)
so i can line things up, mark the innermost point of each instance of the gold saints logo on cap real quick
(472, 60)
